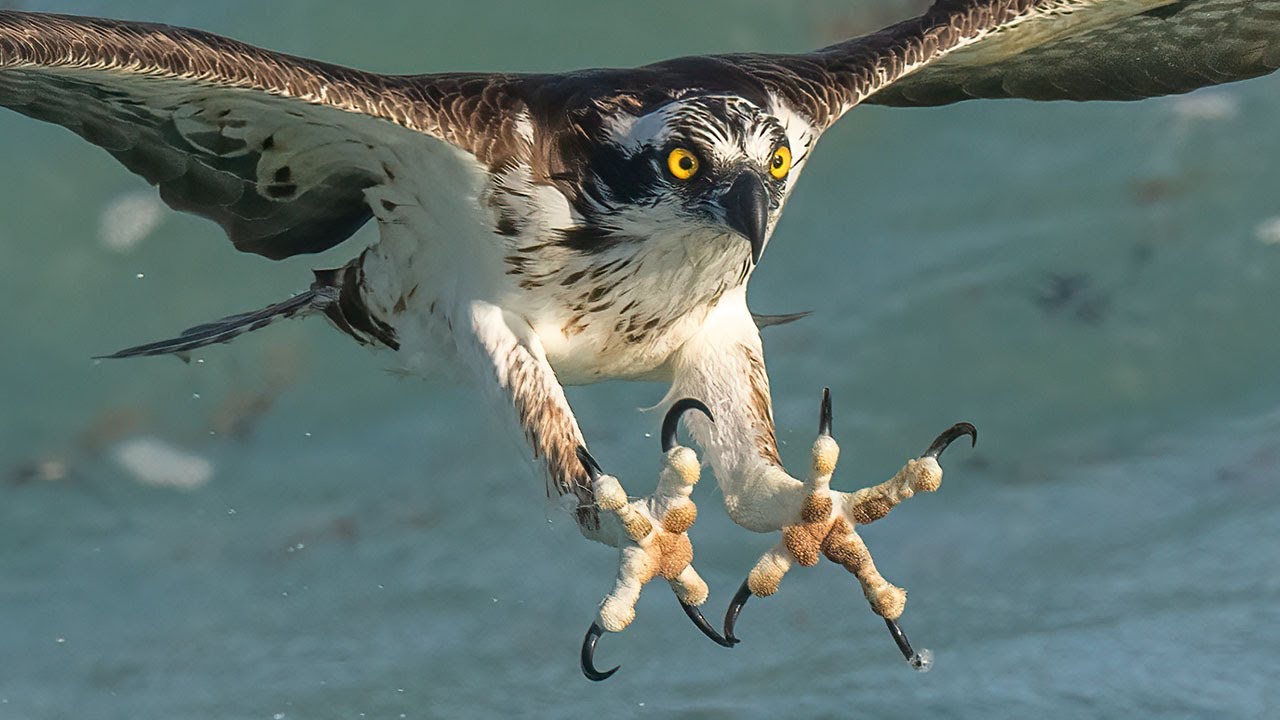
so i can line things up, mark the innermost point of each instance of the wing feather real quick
(277, 149)
(1036, 49)
(1143, 48)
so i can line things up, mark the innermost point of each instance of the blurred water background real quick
(1095, 286)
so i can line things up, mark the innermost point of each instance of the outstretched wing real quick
(277, 149)
(1036, 49)
(1166, 47)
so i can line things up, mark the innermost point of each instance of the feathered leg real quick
(650, 532)
(725, 366)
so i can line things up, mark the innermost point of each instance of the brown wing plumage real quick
(277, 149)
(1164, 48)
(280, 150)
(1037, 49)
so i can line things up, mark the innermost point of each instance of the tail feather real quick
(336, 293)
(228, 328)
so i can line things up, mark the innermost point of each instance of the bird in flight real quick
(545, 230)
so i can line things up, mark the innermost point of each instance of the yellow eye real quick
(682, 163)
(780, 165)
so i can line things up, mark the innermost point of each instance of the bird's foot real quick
(827, 528)
(653, 539)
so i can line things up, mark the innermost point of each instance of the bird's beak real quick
(746, 211)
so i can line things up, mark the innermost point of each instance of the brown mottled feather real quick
(1166, 47)
(176, 106)
(550, 430)
(761, 408)
(1036, 49)
(458, 108)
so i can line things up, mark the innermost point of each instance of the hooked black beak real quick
(746, 211)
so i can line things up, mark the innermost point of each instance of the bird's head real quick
(702, 166)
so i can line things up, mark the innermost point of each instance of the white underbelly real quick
(600, 352)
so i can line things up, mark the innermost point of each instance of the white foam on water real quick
(128, 219)
(1268, 231)
(152, 461)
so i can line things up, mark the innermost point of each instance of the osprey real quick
(556, 229)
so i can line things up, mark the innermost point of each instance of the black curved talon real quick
(824, 416)
(589, 650)
(952, 434)
(672, 421)
(735, 607)
(917, 661)
(698, 619)
(594, 471)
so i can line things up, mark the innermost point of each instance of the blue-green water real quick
(1094, 285)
